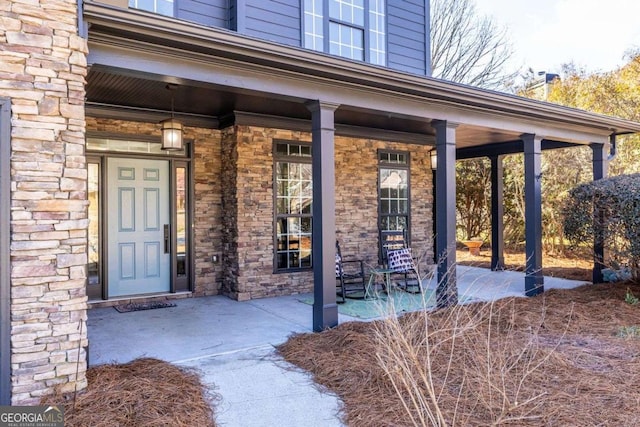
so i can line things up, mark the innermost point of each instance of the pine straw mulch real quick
(142, 393)
(558, 359)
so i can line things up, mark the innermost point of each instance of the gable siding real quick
(212, 13)
(280, 21)
(407, 35)
(274, 20)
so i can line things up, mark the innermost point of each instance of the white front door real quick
(138, 220)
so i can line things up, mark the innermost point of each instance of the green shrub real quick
(610, 206)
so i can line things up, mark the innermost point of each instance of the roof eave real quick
(230, 44)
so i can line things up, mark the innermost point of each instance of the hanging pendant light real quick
(171, 129)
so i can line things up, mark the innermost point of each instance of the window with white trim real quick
(313, 25)
(356, 29)
(162, 7)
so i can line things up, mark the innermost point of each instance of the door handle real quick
(166, 239)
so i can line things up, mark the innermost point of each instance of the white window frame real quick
(161, 7)
(370, 31)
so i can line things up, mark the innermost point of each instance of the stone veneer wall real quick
(42, 71)
(248, 205)
(228, 178)
(357, 198)
(208, 210)
(207, 167)
(234, 204)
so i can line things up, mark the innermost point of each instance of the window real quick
(94, 288)
(133, 146)
(313, 22)
(293, 200)
(162, 7)
(393, 205)
(356, 28)
(346, 28)
(377, 33)
(181, 203)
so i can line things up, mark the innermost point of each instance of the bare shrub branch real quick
(470, 359)
(468, 48)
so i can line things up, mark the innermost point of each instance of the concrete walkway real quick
(232, 344)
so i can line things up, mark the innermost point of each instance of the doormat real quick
(139, 306)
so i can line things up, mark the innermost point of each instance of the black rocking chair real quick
(350, 280)
(395, 254)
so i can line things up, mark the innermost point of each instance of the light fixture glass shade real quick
(171, 134)
(434, 160)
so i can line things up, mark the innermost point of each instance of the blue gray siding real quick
(275, 20)
(407, 35)
(212, 13)
(281, 21)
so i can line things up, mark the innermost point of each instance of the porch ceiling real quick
(197, 103)
(149, 93)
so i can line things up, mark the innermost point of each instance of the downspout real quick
(427, 47)
(82, 24)
(5, 243)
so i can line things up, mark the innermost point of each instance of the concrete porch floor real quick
(232, 344)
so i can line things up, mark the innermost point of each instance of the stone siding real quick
(357, 198)
(254, 193)
(234, 204)
(228, 178)
(42, 71)
(208, 210)
(248, 187)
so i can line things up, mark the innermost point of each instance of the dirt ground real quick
(575, 266)
(563, 358)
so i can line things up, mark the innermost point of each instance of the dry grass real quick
(143, 393)
(557, 359)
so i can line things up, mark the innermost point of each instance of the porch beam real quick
(325, 308)
(447, 290)
(497, 213)
(304, 125)
(508, 147)
(600, 171)
(534, 280)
